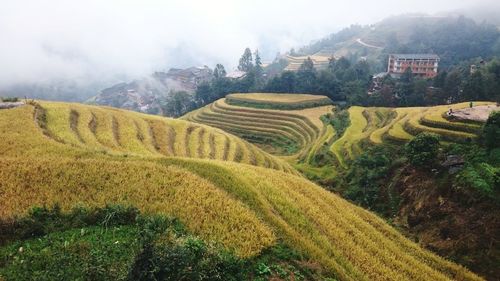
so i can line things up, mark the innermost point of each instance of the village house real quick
(421, 65)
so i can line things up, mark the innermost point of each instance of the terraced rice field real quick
(377, 125)
(277, 101)
(243, 207)
(292, 128)
(114, 131)
(320, 61)
(304, 132)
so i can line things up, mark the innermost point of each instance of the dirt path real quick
(367, 45)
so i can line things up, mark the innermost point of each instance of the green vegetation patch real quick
(119, 243)
(277, 101)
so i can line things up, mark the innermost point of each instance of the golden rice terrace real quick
(221, 187)
(297, 134)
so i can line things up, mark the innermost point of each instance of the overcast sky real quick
(65, 39)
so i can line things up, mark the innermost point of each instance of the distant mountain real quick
(147, 94)
(59, 89)
(481, 12)
(453, 38)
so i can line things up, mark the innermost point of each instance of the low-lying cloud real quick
(45, 40)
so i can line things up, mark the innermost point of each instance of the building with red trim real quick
(421, 65)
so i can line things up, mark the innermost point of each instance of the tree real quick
(355, 93)
(177, 104)
(491, 131)
(328, 85)
(473, 88)
(306, 76)
(288, 82)
(331, 63)
(407, 76)
(258, 70)
(258, 62)
(246, 61)
(203, 94)
(366, 176)
(418, 94)
(452, 85)
(307, 65)
(219, 71)
(285, 83)
(342, 64)
(362, 69)
(422, 151)
(405, 88)
(440, 79)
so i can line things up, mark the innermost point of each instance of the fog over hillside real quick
(99, 43)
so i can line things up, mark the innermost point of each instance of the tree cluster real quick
(339, 81)
(351, 81)
(457, 84)
(249, 63)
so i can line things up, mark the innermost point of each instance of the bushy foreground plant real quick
(491, 131)
(119, 243)
(423, 150)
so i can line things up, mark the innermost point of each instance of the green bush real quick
(10, 99)
(491, 131)
(482, 178)
(339, 120)
(89, 253)
(185, 258)
(366, 179)
(41, 221)
(118, 243)
(423, 150)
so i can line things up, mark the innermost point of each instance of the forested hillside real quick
(454, 39)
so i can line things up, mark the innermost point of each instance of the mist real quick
(95, 40)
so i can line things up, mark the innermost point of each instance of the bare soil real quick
(450, 222)
(476, 113)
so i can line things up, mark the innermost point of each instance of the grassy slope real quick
(73, 255)
(253, 206)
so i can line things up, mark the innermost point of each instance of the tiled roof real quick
(415, 56)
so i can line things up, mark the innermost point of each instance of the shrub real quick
(491, 131)
(423, 149)
(184, 258)
(9, 99)
(42, 221)
(366, 177)
(340, 123)
(482, 178)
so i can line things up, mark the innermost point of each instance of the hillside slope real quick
(243, 207)
(451, 37)
(292, 132)
(301, 135)
(377, 125)
(119, 132)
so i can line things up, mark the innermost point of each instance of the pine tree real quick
(258, 71)
(306, 76)
(246, 61)
(219, 71)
